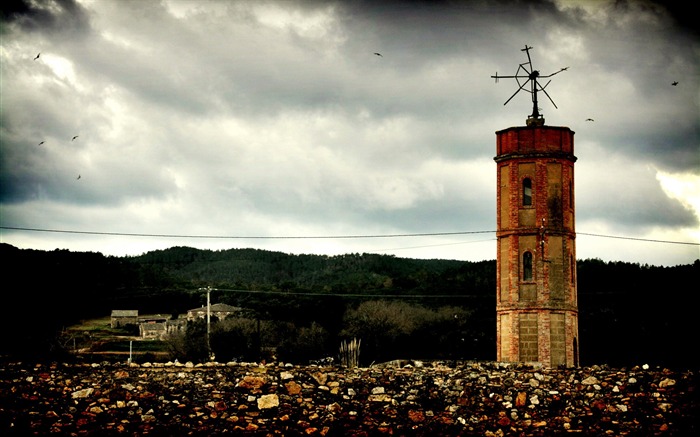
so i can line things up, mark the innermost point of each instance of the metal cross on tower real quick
(526, 75)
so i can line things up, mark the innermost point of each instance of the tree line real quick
(303, 306)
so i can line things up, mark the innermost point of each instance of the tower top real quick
(527, 78)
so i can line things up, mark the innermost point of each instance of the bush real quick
(190, 345)
(394, 330)
(240, 339)
(302, 344)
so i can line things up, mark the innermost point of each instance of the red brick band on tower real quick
(536, 303)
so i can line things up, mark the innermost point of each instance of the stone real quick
(380, 398)
(252, 382)
(591, 380)
(667, 382)
(84, 393)
(268, 401)
(293, 388)
(416, 416)
(334, 408)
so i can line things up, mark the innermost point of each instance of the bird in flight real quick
(41, 143)
(37, 56)
(78, 177)
(378, 54)
(74, 138)
(589, 119)
(675, 83)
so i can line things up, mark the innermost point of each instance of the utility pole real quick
(209, 322)
(209, 353)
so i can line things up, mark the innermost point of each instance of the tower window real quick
(527, 192)
(527, 266)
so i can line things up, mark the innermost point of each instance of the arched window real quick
(527, 266)
(527, 192)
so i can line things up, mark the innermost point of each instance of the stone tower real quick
(536, 303)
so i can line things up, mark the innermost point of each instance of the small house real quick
(122, 318)
(175, 326)
(154, 330)
(219, 311)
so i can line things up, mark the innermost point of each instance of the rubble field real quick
(396, 399)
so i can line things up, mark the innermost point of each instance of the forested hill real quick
(351, 273)
(627, 311)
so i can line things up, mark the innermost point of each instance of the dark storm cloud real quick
(43, 16)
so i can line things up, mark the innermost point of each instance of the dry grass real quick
(103, 323)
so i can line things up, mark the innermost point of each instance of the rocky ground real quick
(401, 399)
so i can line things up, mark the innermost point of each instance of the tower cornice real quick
(525, 128)
(536, 155)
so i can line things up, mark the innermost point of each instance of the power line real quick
(241, 237)
(639, 239)
(315, 237)
(434, 245)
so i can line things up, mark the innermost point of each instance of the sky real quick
(337, 127)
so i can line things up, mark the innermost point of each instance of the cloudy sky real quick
(129, 126)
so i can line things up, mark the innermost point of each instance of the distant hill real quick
(351, 273)
(627, 312)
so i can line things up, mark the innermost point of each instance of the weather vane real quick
(526, 75)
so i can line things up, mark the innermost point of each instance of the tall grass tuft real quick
(350, 353)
